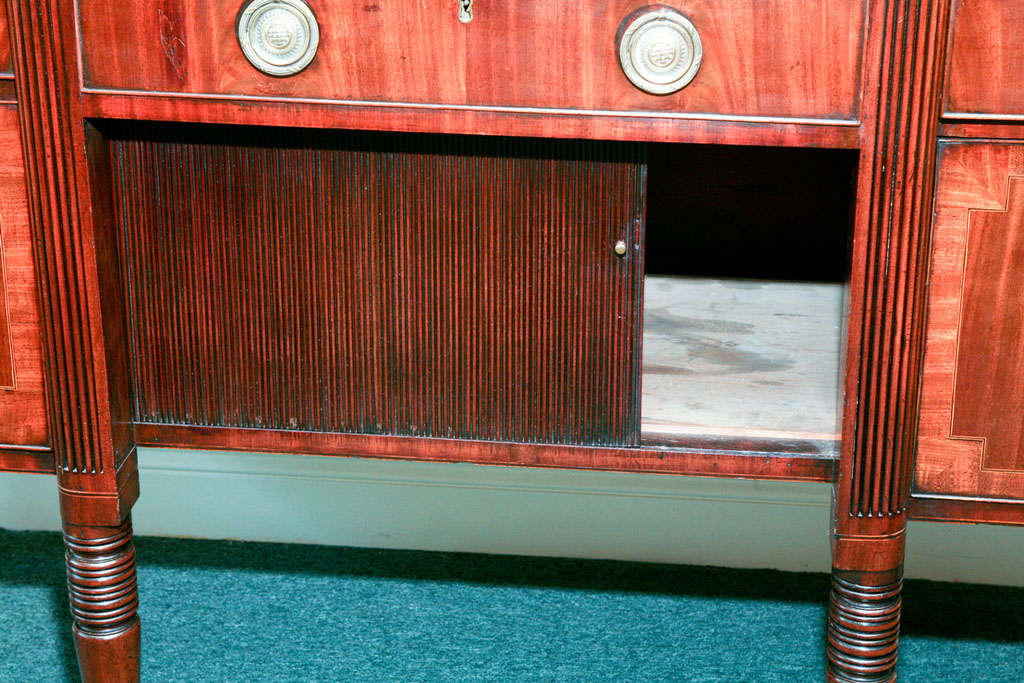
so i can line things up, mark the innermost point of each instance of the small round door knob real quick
(659, 49)
(278, 37)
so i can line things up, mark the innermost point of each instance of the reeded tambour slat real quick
(434, 286)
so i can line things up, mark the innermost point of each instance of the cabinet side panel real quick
(22, 406)
(382, 284)
(970, 437)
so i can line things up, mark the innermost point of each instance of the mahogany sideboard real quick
(736, 238)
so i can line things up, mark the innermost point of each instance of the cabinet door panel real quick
(430, 286)
(23, 432)
(971, 441)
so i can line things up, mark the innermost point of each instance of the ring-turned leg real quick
(104, 601)
(83, 330)
(904, 64)
(864, 609)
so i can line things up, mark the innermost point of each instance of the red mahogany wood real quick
(527, 122)
(461, 287)
(971, 440)
(88, 428)
(703, 459)
(983, 131)
(92, 440)
(23, 425)
(901, 105)
(104, 597)
(35, 459)
(6, 69)
(986, 64)
(940, 508)
(770, 58)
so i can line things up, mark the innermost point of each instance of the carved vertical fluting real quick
(47, 120)
(94, 451)
(87, 452)
(905, 59)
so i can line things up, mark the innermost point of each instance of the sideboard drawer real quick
(986, 67)
(775, 58)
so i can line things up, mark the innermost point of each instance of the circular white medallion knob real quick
(278, 37)
(659, 49)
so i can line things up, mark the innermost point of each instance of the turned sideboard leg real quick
(82, 326)
(104, 601)
(904, 63)
(864, 609)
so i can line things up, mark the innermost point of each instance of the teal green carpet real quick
(225, 611)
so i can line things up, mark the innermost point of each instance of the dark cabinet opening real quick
(746, 261)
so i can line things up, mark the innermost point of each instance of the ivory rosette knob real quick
(659, 49)
(278, 37)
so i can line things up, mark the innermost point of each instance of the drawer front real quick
(774, 58)
(986, 70)
(22, 408)
(971, 439)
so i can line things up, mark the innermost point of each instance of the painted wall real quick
(475, 508)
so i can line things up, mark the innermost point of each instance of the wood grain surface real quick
(906, 57)
(461, 287)
(986, 67)
(6, 69)
(741, 358)
(524, 122)
(701, 459)
(89, 425)
(22, 406)
(971, 436)
(774, 58)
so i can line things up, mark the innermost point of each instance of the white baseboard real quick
(505, 510)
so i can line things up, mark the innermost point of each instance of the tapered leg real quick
(904, 63)
(104, 601)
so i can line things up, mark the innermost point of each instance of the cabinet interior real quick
(424, 244)
(746, 263)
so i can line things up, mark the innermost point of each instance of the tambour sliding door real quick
(417, 285)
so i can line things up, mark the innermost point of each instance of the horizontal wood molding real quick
(706, 462)
(965, 509)
(982, 130)
(37, 459)
(527, 122)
